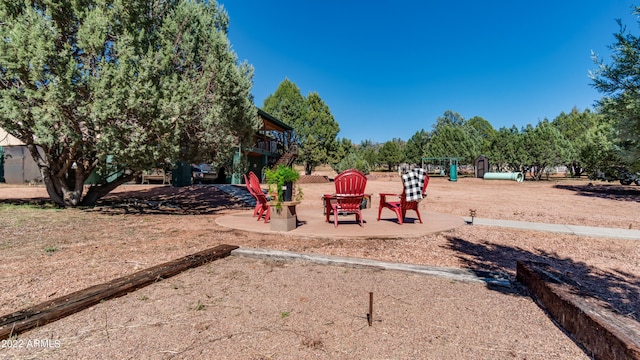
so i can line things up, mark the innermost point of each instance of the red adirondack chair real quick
(262, 208)
(401, 205)
(350, 186)
(250, 189)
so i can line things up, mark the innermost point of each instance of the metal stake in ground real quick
(370, 314)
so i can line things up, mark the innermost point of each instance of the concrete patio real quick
(312, 223)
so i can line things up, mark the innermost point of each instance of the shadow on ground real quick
(605, 191)
(187, 200)
(165, 200)
(617, 291)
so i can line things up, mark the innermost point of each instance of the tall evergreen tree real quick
(135, 82)
(391, 154)
(578, 128)
(485, 131)
(453, 137)
(619, 81)
(288, 105)
(545, 147)
(416, 147)
(318, 133)
(314, 128)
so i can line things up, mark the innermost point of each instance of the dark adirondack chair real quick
(350, 186)
(262, 207)
(416, 181)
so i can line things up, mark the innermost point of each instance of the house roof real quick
(271, 123)
(8, 140)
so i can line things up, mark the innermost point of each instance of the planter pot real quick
(283, 216)
(363, 204)
(366, 202)
(288, 191)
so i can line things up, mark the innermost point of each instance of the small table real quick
(329, 199)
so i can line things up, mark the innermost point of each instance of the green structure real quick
(265, 151)
(181, 175)
(112, 173)
(441, 165)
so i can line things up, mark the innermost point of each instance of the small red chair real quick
(401, 206)
(250, 189)
(350, 186)
(262, 206)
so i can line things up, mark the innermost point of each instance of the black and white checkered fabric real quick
(413, 183)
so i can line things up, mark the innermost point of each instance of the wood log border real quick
(602, 334)
(52, 310)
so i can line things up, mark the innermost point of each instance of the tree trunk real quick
(62, 191)
(575, 169)
(53, 186)
(63, 195)
(52, 190)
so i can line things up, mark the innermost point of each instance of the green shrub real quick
(353, 161)
(278, 176)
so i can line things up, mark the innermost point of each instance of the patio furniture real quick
(250, 189)
(350, 185)
(329, 199)
(414, 189)
(262, 206)
(156, 174)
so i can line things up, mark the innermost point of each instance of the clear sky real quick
(388, 69)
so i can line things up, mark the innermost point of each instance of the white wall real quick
(8, 140)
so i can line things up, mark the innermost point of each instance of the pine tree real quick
(114, 87)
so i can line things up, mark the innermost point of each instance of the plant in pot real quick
(282, 178)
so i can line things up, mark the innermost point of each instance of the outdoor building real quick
(16, 164)
(18, 167)
(266, 150)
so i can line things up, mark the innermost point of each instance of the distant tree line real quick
(583, 141)
(113, 88)
(601, 143)
(575, 140)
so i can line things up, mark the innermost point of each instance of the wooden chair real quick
(401, 205)
(262, 206)
(250, 189)
(350, 186)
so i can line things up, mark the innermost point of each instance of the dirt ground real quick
(239, 308)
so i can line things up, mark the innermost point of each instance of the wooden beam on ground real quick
(63, 306)
(602, 333)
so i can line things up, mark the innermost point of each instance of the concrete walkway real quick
(627, 234)
(444, 272)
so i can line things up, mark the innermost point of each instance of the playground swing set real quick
(440, 165)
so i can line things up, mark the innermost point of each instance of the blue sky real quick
(389, 69)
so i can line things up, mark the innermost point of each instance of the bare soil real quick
(239, 308)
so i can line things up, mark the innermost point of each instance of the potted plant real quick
(282, 178)
(283, 209)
